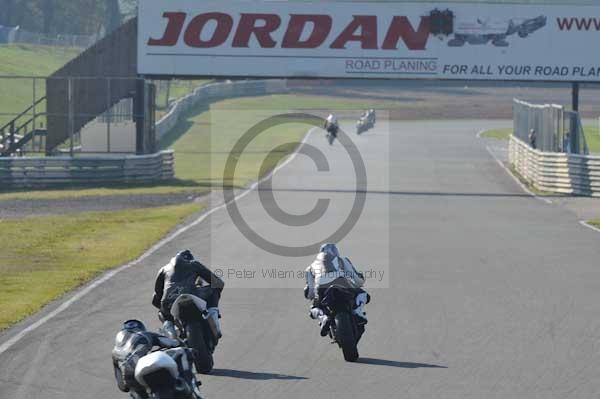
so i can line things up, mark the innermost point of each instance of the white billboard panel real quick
(368, 40)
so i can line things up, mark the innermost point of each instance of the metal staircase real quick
(18, 136)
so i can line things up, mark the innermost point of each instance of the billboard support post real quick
(575, 96)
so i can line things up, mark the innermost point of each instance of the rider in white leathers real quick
(331, 124)
(328, 269)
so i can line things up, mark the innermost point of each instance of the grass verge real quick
(595, 223)
(203, 139)
(500, 134)
(592, 136)
(16, 94)
(41, 258)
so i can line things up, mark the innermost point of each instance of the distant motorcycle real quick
(196, 328)
(362, 126)
(167, 374)
(345, 329)
(332, 131)
(366, 122)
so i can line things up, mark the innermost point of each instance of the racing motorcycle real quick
(362, 125)
(167, 374)
(194, 326)
(344, 328)
(332, 131)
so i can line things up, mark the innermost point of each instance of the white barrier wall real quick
(47, 171)
(213, 91)
(556, 172)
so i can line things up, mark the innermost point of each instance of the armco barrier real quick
(215, 91)
(48, 171)
(556, 172)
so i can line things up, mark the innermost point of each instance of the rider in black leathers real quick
(132, 343)
(180, 276)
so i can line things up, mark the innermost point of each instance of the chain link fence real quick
(74, 121)
(101, 115)
(549, 127)
(10, 35)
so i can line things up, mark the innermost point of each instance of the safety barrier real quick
(47, 171)
(556, 172)
(215, 91)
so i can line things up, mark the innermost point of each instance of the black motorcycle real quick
(344, 328)
(196, 328)
(332, 131)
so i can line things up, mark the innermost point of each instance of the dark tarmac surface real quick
(486, 291)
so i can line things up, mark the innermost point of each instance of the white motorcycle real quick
(168, 374)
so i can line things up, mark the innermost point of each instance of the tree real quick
(129, 8)
(112, 15)
(8, 9)
(48, 10)
(77, 17)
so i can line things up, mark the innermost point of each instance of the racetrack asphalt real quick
(486, 291)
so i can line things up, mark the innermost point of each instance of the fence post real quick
(108, 114)
(70, 115)
(34, 111)
(11, 137)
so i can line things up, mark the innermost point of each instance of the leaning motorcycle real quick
(195, 326)
(344, 328)
(361, 126)
(167, 374)
(332, 130)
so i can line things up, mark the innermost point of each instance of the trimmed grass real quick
(41, 258)
(201, 153)
(202, 140)
(595, 223)
(179, 88)
(500, 134)
(592, 136)
(27, 60)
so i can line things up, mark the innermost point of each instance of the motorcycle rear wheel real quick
(345, 336)
(203, 359)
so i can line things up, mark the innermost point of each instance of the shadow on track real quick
(393, 363)
(404, 193)
(249, 375)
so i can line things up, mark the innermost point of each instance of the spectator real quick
(567, 143)
(532, 139)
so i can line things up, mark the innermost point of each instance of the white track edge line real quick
(108, 275)
(589, 226)
(528, 191)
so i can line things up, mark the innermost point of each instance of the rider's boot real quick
(214, 315)
(317, 314)
(361, 300)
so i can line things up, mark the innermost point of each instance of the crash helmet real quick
(134, 326)
(185, 255)
(330, 249)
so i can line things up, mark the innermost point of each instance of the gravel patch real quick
(43, 207)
